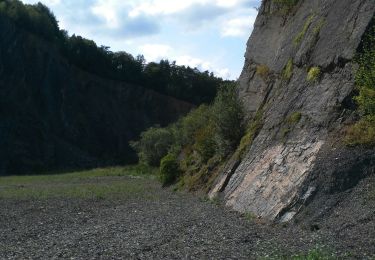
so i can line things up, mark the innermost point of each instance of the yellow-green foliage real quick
(366, 100)
(316, 254)
(263, 71)
(362, 133)
(313, 74)
(200, 176)
(169, 169)
(294, 118)
(298, 39)
(205, 143)
(291, 120)
(286, 5)
(288, 70)
(252, 131)
(249, 216)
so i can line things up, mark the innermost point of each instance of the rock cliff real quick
(54, 116)
(299, 77)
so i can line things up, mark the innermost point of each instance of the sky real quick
(207, 34)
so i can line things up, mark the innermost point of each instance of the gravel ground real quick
(165, 225)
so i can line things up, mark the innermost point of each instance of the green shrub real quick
(316, 254)
(366, 100)
(251, 133)
(228, 119)
(313, 74)
(153, 145)
(288, 70)
(286, 5)
(205, 143)
(294, 118)
(200, 139)
(290, 121)
(298, 39)
(365, 76)
(169, 169)
(192, 123)
(362, 133)
(263, 71)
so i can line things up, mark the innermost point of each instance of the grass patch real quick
(313, 74)
(286, 6)
(263, 71)
(315, 254)
(362, 133)
(298, 39)
(249, 216)
(251, 133)
(288, 70)
(291, 121)
(104, 183)
(318, 253)
(294, 118)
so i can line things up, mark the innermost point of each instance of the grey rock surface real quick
(277, 169)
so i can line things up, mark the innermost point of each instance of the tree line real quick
(182, 82)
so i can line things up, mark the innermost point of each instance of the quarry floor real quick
(132, 217)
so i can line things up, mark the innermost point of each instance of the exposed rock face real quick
(55, 116)
(302, 119)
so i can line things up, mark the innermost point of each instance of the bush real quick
(200, 140)
(302, 34)
(251, 133)
(362, 133)
(263, 71)
(365, 76)
(228, 119)
(286, 5)
(294, 118)
(153, 145)
(314, 74)
(192, 123)
(169, 169)
(205, 143)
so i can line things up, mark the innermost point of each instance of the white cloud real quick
(238, 27)
(228, 3)
(155, 52)
(202, 65)
(188, 29)
(157, 7)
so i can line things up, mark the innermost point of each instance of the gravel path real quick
(165, 225)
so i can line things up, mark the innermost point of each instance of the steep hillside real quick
(56, 116)
(299, 79)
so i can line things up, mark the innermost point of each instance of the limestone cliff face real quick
(299, 148)
(55, 116)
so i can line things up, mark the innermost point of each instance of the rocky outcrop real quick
(303, 114)
(55, 116)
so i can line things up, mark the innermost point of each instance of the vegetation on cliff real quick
(200, 141)
(166, 77)
(363, 132)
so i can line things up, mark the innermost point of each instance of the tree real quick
(228, 117)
